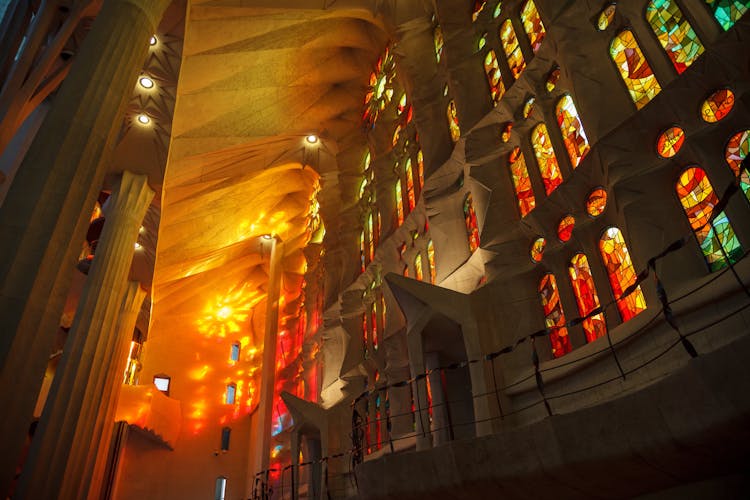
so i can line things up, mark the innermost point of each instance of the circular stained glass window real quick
(670, 142)
(565, 228)
(537, 249)
(717, 105)
(596, 202)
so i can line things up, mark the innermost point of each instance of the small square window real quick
(162, 382)
(231, 391)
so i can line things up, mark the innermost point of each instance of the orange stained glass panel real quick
(399, 203)
(418, 267)
(431, 260)
(634, 68)
(586, 297)
(478, 7)
(370, 238)
(512, 49)
(565, 228)
(528, 107)
(452, 114)
(737, 150)
(494, 79)
(596, 202)
(470, 218)
(505, 134)
(670, 142)
(420, 169)
(552, 79)
(554, 317)
(362, 250)
(621, 273)
(374, 323)
(521, 182)
(439, 42)
(545, 158)
(410, 196)
(532, 25)
(571, 127)
(537, 249)
(717, 105)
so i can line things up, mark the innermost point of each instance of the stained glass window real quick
(410, 185)
(512, 48)
(606, 17)
(397, 134)
(565, 228)
(365, 333)
(727, 12)
(371, 238)
(498, 10)
(571, 127)
(521, 181)
(470, 218)
(399, 203)
(420, 169)
(492, 70)
(505, 134)
(737, 150)
(715, 238)
(380, 90)
(532, 25)
(431, 260)
(674, 33)
(482, 41)
(478, 7)
(586, 297)
(528, 107)
(552, 79)
(439, 42)
(374, 323)
(670, 142)
(537, 249)
(545, 158)
(418, 267)
(717, 105)
(401, 104)
(452, 113)
(554, 317)
(596, 202)
(621, 273)
(362, 251)
(634, 68)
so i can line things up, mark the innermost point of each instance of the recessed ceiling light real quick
(152, 41)
(312, 139)
(146, 82)
(143, 119)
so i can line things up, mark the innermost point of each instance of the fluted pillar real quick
(97, 450)
(58, 455)
(44, 217)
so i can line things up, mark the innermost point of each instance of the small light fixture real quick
(312, 139)
(143, 119)
(146, 82)
(152, 41)
(141, 229)
(266, 236)
(137, 246)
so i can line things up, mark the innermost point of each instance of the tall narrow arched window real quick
(365, 335)
(370, 239)
(545, 158)
(470, 217)
(532, 25)
(674, 33)
(362, 250)
(374, 324)
(715, 236)
(452, 114)
(399, 203)
(495, 80)
(621, 273)
(727, 12)
(410, 196)
(418, 274)
(554, 317)
(586, 296)
(420, 169)
(571, 127)
(512, 49)
(522, 183)
(439, 42)
(431, 260)
(737, 150)
(634, 68)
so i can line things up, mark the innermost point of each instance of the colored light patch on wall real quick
(634, 68)
(554, 316)
(674, 32)
(574, 136)
(717, 106)
(715, 236)
(621, 273)
(596, 202)
(587, 299)
(670, 142)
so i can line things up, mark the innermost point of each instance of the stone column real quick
(97, 450)
(58, 454)
(44, 217)
(268, 375)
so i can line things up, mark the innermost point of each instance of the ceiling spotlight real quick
(146, 82)
(152, 41)
(312, 139)
(137, 246)
(143, 119)
(266, 236)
